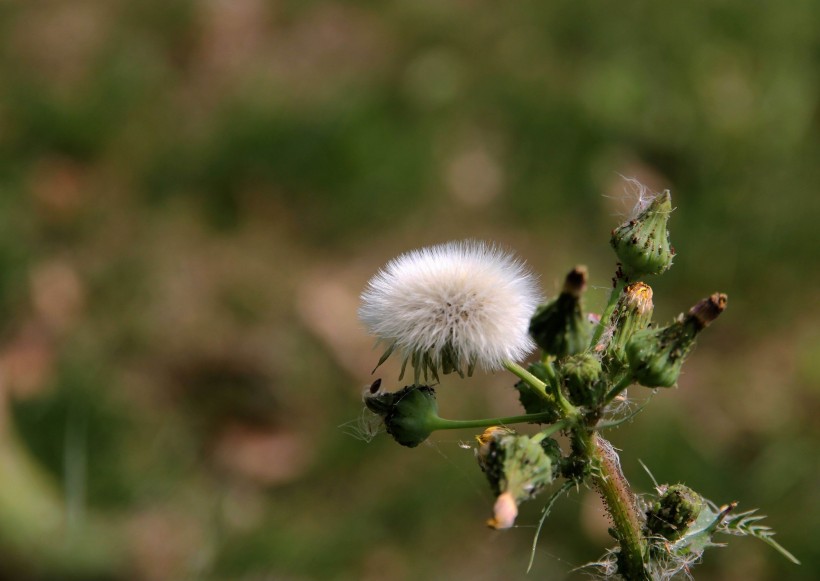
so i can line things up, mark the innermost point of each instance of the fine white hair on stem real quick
(451, 307)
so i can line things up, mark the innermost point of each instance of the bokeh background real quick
(192, 195)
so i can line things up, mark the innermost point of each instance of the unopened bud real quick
(642, 244)
(580, 375)
(656, 355)
(409, 414)
(633, 313)
(560, 327)
(677, 508)
(517, 467)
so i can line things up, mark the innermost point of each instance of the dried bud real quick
(560, 327)
(518, 467)
(580, 374)
(656, 355)
(632, 314)
(642, 244)
(677, 508)
(410, 414)
(708, 310)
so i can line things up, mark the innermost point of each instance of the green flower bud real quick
(518, 467)
(656, 355)
(560, 327)
(675, 510)
(531, 400)
(642, 244)
(579, 375)
(410, 415)
(632, 314)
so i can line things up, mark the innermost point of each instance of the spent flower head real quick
(410, 415)
(451, 307)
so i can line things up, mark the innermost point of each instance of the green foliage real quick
(77, 431)
(335, 169)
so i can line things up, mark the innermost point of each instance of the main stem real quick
(619, 500)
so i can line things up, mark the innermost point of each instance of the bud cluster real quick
(460, 318)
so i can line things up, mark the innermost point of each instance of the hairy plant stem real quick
(620, 502)
(625, 381)
(620, 283)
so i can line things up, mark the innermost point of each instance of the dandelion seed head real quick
(452, 307)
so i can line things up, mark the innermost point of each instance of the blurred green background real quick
(192, 195)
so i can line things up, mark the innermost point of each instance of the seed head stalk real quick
(556, 397)
(445, 424)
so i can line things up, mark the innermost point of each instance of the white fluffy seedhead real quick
(452, 306)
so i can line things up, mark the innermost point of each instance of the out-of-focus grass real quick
(193, 194)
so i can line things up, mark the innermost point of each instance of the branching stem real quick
(620, 283)
(529, 379)
(619, 386)
(557, 398)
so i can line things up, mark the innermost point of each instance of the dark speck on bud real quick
(409, 415)
(642, 244)
(374, 387)
(675, 510)
(656, 355)
(560, 327)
